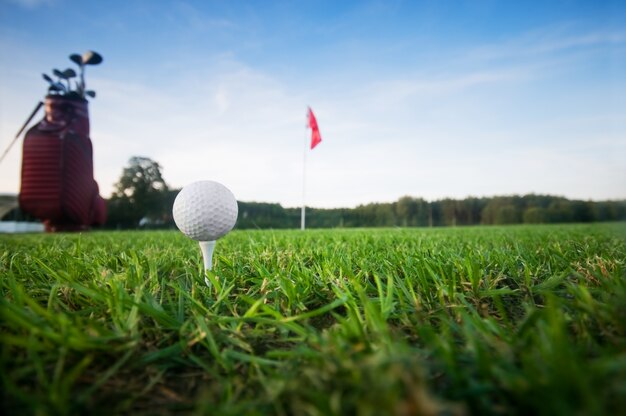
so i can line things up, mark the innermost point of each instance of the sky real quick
(432, 99)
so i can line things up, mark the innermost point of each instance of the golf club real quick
(91, 58)
(78, 60)
(88, 58)
(67, 75)
(54, 86)
(59, 76)
(37, 107)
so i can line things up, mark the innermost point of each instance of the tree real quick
(560, 211)
(406, 211)
(449, 211)
(140, 192)
(582, 211)
(507, 214)
(535, 215)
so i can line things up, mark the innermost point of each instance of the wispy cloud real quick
(522, 115)
(547, 41)
(426, 86)
(223, 126)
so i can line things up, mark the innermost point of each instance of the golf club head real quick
(57, 86)
(57, 73)
(47, 78)
(91, 58)
(54, 88)
(77, 59)
(90, 93)
(69, 73)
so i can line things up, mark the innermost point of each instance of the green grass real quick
(510, 320)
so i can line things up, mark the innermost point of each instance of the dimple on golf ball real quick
(205, 210)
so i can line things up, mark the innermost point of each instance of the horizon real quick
(2, 194)
(420, 99)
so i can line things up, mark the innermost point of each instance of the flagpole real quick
(303, 212)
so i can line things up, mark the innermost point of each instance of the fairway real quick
(466, 320)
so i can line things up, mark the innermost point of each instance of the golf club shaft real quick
(37, 107)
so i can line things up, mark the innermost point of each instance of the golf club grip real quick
(37, 107)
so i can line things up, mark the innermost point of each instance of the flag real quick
(316, 137)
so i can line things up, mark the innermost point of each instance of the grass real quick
(510, 320)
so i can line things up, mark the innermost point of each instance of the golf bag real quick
(58, 186)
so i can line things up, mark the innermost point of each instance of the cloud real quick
(490, 122)
(546, 42)
(394, 91)
(236, 123)
(434, 134)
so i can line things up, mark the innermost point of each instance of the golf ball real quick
(205, 210)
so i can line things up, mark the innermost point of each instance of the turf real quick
(485, 320)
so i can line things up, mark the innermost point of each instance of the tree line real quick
(416, 212)
(143, 199)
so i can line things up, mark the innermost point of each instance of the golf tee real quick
(207, 248)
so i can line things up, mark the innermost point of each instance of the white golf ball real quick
(205, 210)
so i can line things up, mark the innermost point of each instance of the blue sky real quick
(432, 99)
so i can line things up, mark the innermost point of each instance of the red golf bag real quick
(58, 186)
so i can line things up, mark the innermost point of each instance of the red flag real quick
(316, 137)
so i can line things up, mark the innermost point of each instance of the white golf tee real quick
(207, 248)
